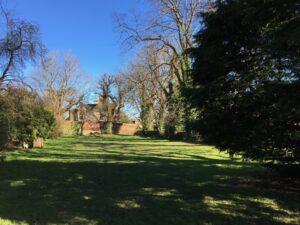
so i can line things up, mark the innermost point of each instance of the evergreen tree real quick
(246, 78)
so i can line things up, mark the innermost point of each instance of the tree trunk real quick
(161, 120)
(147, 113)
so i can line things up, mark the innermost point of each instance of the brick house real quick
(89, 118)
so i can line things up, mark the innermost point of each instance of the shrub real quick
(22, 117)
(65, 128)
(4, 128)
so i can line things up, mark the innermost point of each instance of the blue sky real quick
(85, 27)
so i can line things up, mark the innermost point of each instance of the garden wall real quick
(118, 128)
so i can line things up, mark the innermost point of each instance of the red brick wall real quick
(125, 128)
(91, 127)
(118, 128)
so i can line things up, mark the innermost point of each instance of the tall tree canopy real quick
(60, 82)
(19, 43)
(246, 78)
(169, 27)
(111, 99)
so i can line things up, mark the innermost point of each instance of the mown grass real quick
(117, 180)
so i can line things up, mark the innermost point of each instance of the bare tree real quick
(110, 104)
(171, 27)
(120, 99)
(60, 82)
(105, 107)
(19, 43)
(146, 86)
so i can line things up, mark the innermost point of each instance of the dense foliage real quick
(246, 78)
(22, 117)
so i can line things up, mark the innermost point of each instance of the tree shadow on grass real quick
(149, 190)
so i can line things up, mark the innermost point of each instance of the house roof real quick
(90, 106)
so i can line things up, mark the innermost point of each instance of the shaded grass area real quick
(133, 180)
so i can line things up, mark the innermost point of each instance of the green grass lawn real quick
(133, 180)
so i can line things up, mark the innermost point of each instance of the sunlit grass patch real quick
(9, 222)
(17, 183)
(128, 204)
(160, 192)
(225, 207)
(283, 214)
